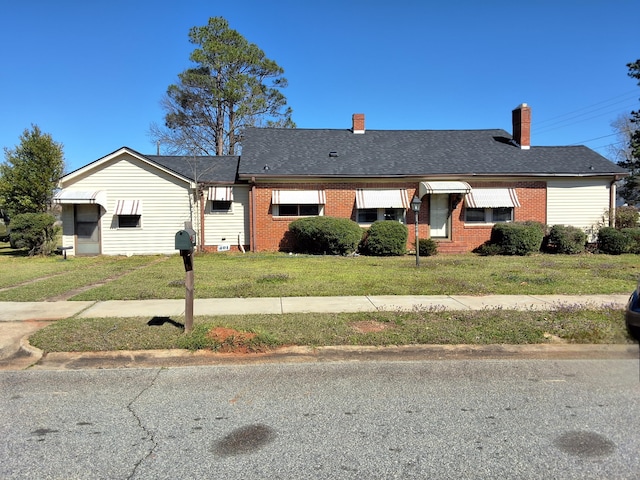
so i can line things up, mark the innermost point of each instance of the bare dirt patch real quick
(233, 341)
(369, 326)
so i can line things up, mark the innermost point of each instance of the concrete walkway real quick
(18, 320)
(19, 311)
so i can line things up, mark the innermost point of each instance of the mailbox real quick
(185, 239)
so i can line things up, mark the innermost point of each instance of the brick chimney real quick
(358, 123)
(521, 119)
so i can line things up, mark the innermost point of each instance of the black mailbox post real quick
(185, 241)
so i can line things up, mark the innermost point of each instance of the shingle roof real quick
(209, 169)
(306, 152)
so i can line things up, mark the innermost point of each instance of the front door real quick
(439, 215)
(87, 229)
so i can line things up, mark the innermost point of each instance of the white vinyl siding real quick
(224, 228)
(166, 199)
(580, 203)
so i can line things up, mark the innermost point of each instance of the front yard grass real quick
(275, 275)
(421, 326)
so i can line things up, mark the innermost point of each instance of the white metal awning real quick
(443, 187)
(73, 197)
(492, 198)
(129, 207)
(298, 197)
(382, 198)
(221, 194)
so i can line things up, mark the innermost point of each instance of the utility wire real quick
(627, 95)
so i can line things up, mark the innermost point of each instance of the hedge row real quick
(340, 236)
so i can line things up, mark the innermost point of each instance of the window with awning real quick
(298, 203)
(490, 205)
(381, 204)
(492, 198)
(81, 197)
(382, 198)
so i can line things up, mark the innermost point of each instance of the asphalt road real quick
(419, 419)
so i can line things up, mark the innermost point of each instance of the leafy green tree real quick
(34, 231)
(233, 85)
(30, 173)
(630, 190)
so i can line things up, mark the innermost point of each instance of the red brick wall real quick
(270, 233)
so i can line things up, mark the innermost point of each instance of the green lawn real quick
(567, 324)
(268, 275)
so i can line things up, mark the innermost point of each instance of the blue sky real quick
(92, 73)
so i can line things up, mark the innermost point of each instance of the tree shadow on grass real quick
(7, 251)
(159, 321)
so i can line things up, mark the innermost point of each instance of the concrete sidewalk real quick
(20, 311)
(18, 320)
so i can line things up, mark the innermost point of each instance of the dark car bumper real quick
(632, 312)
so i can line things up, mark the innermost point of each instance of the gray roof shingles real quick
(207, 169)
(389, 153)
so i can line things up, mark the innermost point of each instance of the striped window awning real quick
(129, 207)
(492, 198)
(382, 198)
(443, 187)
(74, 197)
(298, 197)
(221, 194)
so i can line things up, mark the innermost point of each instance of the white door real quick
(439, 215)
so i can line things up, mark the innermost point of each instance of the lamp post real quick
(415, 206)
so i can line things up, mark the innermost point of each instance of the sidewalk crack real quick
(149, 435)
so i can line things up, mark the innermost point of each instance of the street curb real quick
(29, 350)
(403, 353)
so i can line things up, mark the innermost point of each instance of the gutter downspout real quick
(202, 205)
(612, 203)
(252, 226)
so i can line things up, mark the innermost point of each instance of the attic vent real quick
(333, 154)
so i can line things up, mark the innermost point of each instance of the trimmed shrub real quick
(517, 238)
(613, 241)
(428, 247)
(35, 232)
(326, 235)
(386, 238)
(633, 235)
(565, 239)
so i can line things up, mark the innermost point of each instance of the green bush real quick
(326, 235)
(35, 232)
(565, 239)
(626, 217)
(613, 241)
(521, 238)
(428, 247)
(386, 238)
(633, 235)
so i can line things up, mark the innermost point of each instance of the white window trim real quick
(276, 210)
(381, 211)
(229, 211)
(488, 216)
(137, 227)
